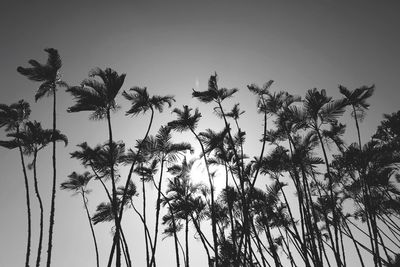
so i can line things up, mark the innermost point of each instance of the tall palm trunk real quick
(187, 241)
(371, 217)
(144, 222)
(357, 126)
(28, 206)
(213, 216)
(91, 227)
(40, 207)
(53, 191)
(245, 206)
(335, 244)
(204, 241)
(158, 207)
(129, 178)
(114, 196)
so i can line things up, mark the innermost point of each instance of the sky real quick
(172, 47)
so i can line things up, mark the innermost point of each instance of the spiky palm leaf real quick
(13, 115)
(185, 120)
(213, 93)
(142, 102)
(34, 137)
(76, 182)
(47, 73)
(97, 96)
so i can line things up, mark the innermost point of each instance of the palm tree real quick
(187, 121)
(141, 103)
(146, 173)
(49, 76)
(77, 183)
(99, 97)
(321, 110)
(357, 100)
(180, 195)
(11, 117)
(32, 139)
(164, 151)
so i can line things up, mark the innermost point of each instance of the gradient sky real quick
(172, 47)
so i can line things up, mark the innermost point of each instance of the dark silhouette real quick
(12, 118)
(49, 76)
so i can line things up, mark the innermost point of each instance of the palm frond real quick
(185, 120)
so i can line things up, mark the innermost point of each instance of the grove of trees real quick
(302, 199)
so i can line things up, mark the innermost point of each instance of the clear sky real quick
(172, 47)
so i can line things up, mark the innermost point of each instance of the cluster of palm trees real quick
(347, 197)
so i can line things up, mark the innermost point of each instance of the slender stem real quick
(153, 261)
(91, 227)
(144, 222)
(213, 216)
(28, 205)
(114, 193)
(53, 191)
(187, 241)
(40, 207)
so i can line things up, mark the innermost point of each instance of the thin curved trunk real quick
(183, 252)
(262, 151)
(300, 199)
(213, 216)
(41, 210)
(53, 191)
(91, 227)
(114, 195)
(129, 178)
(28, 206)
(187, 241)
(357, 126)
(203, 239)
(144, 222)
(350, 235)
(153, 260)
(124, 243)
(176, 243)
(134, 161)
(335, 245)
(147, 232)
(176, 240)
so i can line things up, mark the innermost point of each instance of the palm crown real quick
(77, 182)
(13, 115)
(213, 93)
(97, 96)
(34, 138)
(47, 73)
(185, 120)
(320, 108)
(142, 102)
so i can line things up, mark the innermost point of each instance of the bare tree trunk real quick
(91, 227)
(41, 209)
(53, 191)
(28, 206)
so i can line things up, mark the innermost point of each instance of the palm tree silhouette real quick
(33, 139)
(11, 117)
(187, 121)
(320, 110)
(162, 149)
(77, 183)
(180, 195)
(49, 76)
(99, 97)
(141, 102)
(357, 100)
(146, 174)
